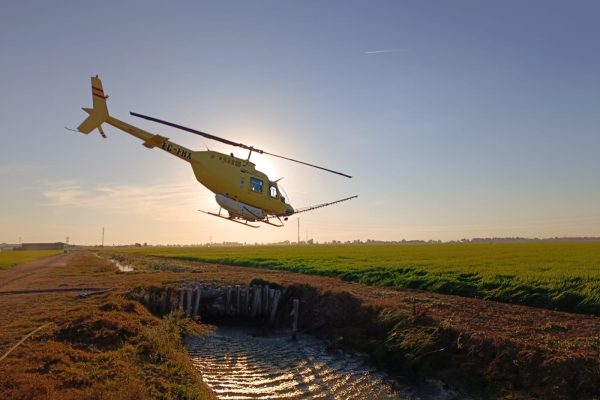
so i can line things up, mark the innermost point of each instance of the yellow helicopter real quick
(248, 195)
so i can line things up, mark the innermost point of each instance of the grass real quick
(560, 276)
(10, 258)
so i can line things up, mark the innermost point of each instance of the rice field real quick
(559, 276)
(12, 258)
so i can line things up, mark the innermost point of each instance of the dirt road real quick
(19, 278)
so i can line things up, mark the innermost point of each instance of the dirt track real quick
(16, 277)
(505, 339)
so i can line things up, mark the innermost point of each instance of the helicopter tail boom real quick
(99, 113)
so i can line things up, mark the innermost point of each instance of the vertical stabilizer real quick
(99, 112)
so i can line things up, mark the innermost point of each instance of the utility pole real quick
(102, 236)
(298, 231)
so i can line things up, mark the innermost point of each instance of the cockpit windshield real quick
(284, 196)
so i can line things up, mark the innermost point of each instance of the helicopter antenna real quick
(231, 143)
(305, 209)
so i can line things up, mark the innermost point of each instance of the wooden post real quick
(276, 298)
(188, 309)
(159, 302)
(271, 298)
(296, 312)
(168, 301)
(255, 300)
(151, 302)
(252, 301)
(181, 300)
(265, 297)
(245, 300)
(228, 301)
(163, 305)
(237, 300)
(156, 302)
(197, 303)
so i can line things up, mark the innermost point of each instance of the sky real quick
(456, 119)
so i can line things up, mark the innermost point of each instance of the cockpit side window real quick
(256, 185)
(273, 191)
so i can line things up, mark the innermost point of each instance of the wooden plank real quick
(255, 300)
(296, 312)
(188, 309)
(197, 302)
(245, 301)
(271, 299)
(228, 301)
(168, 303)
(265, 300)
(163, 303)
(276, 298)
(181, 300)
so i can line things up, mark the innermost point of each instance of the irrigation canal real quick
(237, 365)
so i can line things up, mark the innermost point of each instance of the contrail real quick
(382, 51)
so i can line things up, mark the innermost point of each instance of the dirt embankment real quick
(109, 346)
(416, 342)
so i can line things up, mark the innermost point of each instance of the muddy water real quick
(238, 366)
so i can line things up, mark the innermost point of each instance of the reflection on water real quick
(122, 267)
(238, 366)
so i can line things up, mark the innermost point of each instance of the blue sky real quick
(456, 119)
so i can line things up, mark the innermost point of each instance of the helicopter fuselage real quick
(236, 182)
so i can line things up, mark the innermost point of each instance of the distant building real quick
(8, 246)
(42, 246)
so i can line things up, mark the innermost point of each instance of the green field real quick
(11, 258)
(561, 276)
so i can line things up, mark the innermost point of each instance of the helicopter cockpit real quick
(275, 189)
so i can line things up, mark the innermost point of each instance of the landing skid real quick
(229, 219)
(279, 225)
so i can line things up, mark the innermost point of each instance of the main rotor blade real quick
(305, 209)
(197, 132)
(305, 163)
(231, 143)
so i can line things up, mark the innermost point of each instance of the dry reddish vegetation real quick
(105, 346)
(108, 346)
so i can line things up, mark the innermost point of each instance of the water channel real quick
(237, 365)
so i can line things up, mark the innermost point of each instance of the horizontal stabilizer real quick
(155, 141)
